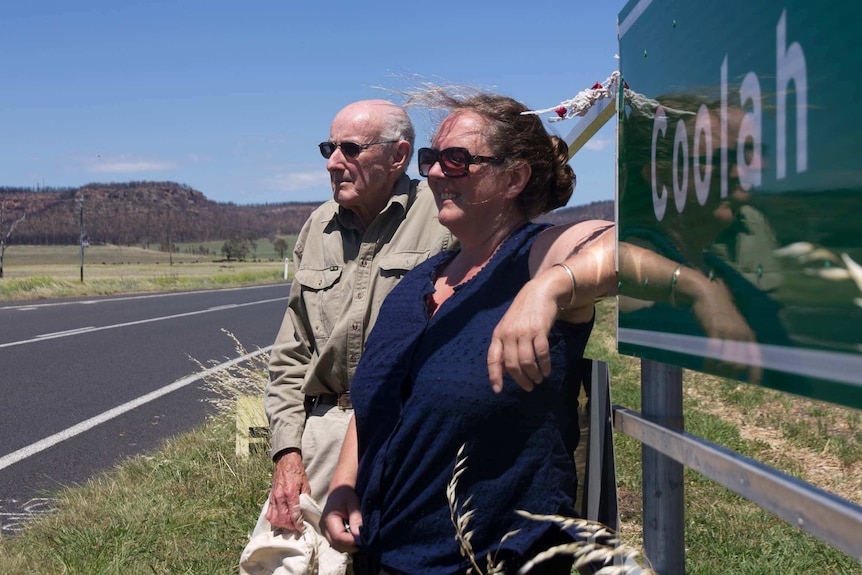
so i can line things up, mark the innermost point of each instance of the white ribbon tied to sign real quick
(586, 99)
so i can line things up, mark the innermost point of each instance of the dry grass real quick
(242, 379)
(778, 423)
(596, 546)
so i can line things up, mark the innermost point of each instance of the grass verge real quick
(185, 509)
(43, 287)
(43, 272)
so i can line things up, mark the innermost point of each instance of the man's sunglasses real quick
(349, 149)
(455, 162)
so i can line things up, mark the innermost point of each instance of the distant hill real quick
(143, 213)
(603, 210)
(147, 213)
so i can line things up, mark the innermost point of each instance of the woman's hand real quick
(342, 519)
(730, 336)
(519, 343)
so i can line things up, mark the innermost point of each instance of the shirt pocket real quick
(321, 295)
(397, 264)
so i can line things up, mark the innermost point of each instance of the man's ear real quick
(519, 175)
(401, 156)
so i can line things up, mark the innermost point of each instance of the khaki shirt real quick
(342, 277)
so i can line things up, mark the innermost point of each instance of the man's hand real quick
(288, 481)
(519, 343)
(342, 519)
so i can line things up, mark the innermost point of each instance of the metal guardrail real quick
(836, 521)
(668, 448)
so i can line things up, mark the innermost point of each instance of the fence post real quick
(663, 494)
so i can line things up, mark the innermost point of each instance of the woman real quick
(421, 390)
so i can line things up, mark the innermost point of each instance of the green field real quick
(39, 272)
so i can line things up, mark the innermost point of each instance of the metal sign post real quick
(663, 487)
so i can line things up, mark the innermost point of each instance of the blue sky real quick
(232, 98)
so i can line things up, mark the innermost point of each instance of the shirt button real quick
(355, 326)
(353, 357)
(359, 295)
(363, 263)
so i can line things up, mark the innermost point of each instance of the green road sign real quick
(739, 159)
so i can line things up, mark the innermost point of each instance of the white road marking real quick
(51, 441)
(14, 521)
(65, 333)
(221, 307)
(102, 299)
(48, 336)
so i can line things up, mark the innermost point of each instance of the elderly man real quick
(349, 255)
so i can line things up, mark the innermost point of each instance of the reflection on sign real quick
(748, 128)
(738, 160)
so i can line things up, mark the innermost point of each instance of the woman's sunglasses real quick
(349, 149)
(455, 162)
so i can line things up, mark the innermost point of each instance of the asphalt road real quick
(86, 383)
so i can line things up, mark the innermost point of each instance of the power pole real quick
(80, 201)
(170, 243)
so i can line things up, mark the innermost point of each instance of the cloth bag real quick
(281, 552)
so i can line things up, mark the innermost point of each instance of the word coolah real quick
(790, 67)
